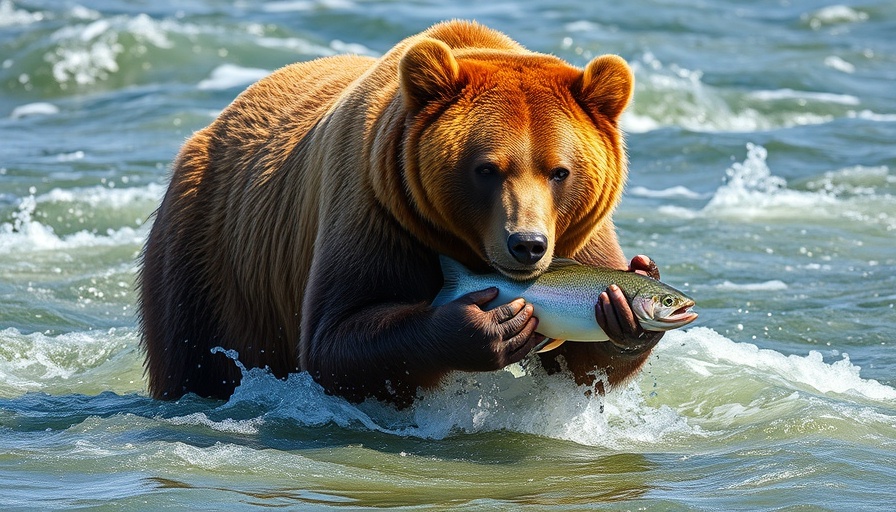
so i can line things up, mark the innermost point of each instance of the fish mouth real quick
(681, 316)
(653, 320)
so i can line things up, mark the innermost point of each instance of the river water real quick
(762, 143)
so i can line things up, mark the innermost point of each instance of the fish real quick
(564, 297)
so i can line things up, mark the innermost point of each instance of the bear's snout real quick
(527, 247)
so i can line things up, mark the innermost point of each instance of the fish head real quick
(663, 311)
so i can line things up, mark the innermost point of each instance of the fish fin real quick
(551, 345)
(558, 263)
(452, 272)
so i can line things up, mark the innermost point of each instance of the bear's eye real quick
(486, 169)
(559, 174)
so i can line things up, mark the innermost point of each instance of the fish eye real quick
(668, 301)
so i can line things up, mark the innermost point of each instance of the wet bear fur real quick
(302, 227)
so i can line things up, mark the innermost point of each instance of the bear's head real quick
(511, 157)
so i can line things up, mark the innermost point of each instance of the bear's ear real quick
(427, 71)
(606, 86)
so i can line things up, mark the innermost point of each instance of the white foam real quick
(514, 399)
(294, 44)
(355, 48)
(790, 94)
(43, 238)
(40, 108)
(791, 372)
(88, 52)
(834, 14)
(699, 374)
(226, 76)
(289, 6)
(26, 233)
(666, 193)
(752, 191)
(868, 115)
(306, 5)
(70, 157)
(43, 362)
(670, 95)
(104, 196)
(10, 16)
(247, 427)
(581, 26)
(856, 180)
(767, 286)
(551, 406)
(632, 122)
(835, 62)
(523, 398)
(85, 54)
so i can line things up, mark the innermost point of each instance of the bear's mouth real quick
(517, 274)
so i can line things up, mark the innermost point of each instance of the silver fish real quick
(564, 297)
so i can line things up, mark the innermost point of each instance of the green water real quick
(762, 182)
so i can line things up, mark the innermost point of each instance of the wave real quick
(75, 362)
(227, 76)
(283, 6)
(766, 286)
(752, 183)
(751, 192)
(31, 227)
(39, 108)
(834, 14)
(91, 51)
(670, 95)
(82, 49)
(678, 192)
(12, 17)
(793, 373)
(100, 196)
(695, 380)
(790, 94)
(517, 399)
(698, 384)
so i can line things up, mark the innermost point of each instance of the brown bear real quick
(302, 228)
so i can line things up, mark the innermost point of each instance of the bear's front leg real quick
(371, 332)
(390, 351)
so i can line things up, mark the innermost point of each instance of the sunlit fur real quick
(304, 223)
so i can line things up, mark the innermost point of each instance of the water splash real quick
(751, 191)
(516, 399)
(834, 15)
(698, 379)
(671, 95)
(31, 225)
(74, 362)
(698, 385)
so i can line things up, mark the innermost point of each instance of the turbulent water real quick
(762, 155)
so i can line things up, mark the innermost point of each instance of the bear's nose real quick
(527, 248)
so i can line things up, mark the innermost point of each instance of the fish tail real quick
(548, 345)
(452, 273)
